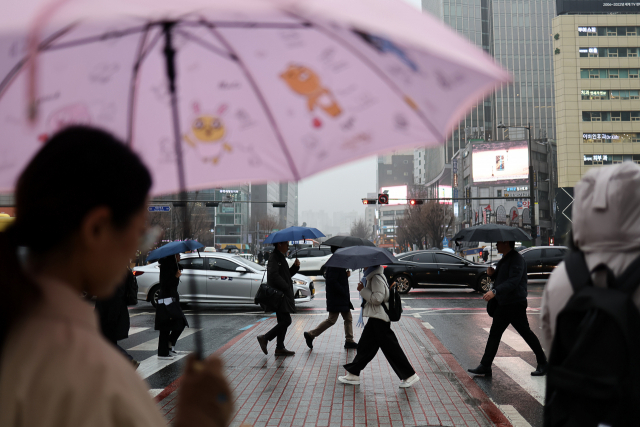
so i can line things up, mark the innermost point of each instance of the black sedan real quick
(542, 260)
(423, 268)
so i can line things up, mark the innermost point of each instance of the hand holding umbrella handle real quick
(297, 262)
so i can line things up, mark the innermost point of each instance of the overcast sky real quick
(341, 188)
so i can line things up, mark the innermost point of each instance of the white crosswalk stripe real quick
(520, 372)
(513, 340)
(152, 365)
(427, 325)
(155, 391)
(134, 330)
(514, 416)
(152, 345)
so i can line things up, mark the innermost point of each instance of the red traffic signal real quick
(414, 202)
(383, 199)
(369, 201)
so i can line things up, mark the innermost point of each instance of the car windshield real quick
(250, 264)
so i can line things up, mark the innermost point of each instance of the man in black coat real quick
(279, 277)
(338, 303)
(510, 291)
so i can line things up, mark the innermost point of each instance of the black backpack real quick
(395, 303)
(594, 376)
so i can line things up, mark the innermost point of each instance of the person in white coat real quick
(377, 333)
(606, 228)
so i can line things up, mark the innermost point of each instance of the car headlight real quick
(299, 282)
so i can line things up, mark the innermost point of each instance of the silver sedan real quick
(218, 278)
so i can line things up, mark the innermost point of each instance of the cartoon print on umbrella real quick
(383, 45)
(207, 135)
(306, 82)
(73, 114)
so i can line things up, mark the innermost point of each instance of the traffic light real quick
(369, 201)
(414, 202)
(383, 199)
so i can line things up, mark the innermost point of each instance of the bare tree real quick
(360, 229)
(173, 223)
(437, 220)
(267, 224)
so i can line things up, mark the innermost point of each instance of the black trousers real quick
(167, 339)
(516, 315)
(377, 334)
(280, 330)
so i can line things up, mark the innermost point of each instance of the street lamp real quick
(532, 198)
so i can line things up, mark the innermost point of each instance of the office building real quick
(597, 78)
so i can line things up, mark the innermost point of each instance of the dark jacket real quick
(172, 318)
(113, 313)
(510, 279)
(279, 277)
(337, 287)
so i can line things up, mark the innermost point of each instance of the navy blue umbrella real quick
(173, 248)
(356, 257)
(290, 234)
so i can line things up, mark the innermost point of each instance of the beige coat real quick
(606, 227)
(56, 370)
(375, 293)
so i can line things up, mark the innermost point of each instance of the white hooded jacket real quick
(606, 227)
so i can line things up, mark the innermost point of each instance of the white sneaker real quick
(409, 381)
(169, 357)
(350, 379)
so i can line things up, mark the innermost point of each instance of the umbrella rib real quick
(99, 38)
(206, 45)
(380, 74)
(263, 102)
(246, 25)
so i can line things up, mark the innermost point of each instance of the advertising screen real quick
(500, 162)
(397, 192)
(444, 192)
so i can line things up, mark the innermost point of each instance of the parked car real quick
(427, 268)
(312, 260)
(219, 278)
(542, 260)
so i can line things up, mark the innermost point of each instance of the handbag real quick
(492, 305)
(268, 297)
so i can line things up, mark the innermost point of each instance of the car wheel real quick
(484, 284)
(322, 271)
(153, 296)
(403, 284)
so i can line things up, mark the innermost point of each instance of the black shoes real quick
(284, 352)
(481, 370)
(309, 339)
(263, 343)
(540, 370)
(348, 344)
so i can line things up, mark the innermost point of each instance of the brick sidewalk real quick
(304, 390)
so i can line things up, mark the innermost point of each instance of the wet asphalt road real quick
(457, 315)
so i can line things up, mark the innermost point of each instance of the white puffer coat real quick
(375, 293)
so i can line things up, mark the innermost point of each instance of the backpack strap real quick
(577, 270)
(629, 281)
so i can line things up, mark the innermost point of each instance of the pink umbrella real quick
(218, 92)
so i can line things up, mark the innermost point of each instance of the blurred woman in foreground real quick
(55, 367)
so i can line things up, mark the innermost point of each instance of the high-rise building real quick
(597, 78)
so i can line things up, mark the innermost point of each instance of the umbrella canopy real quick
(347, 241)
(293, 233)
(356, 257)
(216, 92)
(173, 248)
(491, 233)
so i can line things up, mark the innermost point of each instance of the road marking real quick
(514, 416)
(513, 340)
(135, 330)
(155, 391)
(152, 345)
(152, 365)
(246, 327)
(417, 316)
(427, 325)
(406, 307)
(141, 314)
(520, 372)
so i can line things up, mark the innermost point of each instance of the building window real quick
(499, 193)
(616, 116)
(406, 162)
(389, 172)
(406, 174)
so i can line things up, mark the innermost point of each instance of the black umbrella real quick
(356, 257)
(491, 233)
(347, 241)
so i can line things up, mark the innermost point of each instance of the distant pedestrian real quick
(485, 254)
(279, 277)
(377, 333)
(510, 291)
(338, 304)
(114, 316)
(260, 257)
(170, 319)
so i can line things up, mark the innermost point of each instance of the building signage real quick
(600, 136)
(230, 191)
(596, 157)
(500, 162)
(588, 50)
(621, 4)
(164, 208)
(587, 29)
(595, 6)
(525, 188)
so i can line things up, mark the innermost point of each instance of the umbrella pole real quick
(170, 63)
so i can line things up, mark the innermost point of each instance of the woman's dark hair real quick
(79, 169)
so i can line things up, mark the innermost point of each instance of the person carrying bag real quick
(170, 320)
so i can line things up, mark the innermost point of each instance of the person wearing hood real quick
(377, 333)
(606, 228)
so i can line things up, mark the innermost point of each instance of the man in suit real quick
(279, 277)
(510, 290)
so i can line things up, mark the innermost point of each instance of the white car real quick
(218, 278)
(312, 260)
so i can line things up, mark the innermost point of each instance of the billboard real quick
(596, 6)
(501, 162)
(444, 192)
(397, 192)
